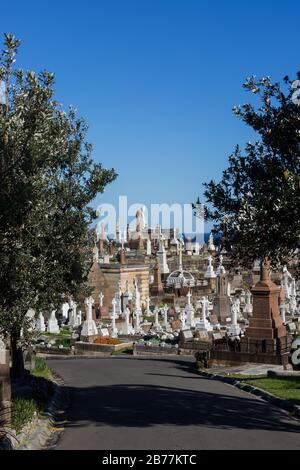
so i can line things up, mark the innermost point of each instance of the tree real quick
(48, 181)
(256, 204)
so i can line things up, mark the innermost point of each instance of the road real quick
(162, 404)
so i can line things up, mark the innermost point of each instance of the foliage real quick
(22, 412)
(256, 204)
(48, 181)
(41, 369)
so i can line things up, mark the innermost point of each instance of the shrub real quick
(22, 412)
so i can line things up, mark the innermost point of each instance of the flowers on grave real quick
(104, 340)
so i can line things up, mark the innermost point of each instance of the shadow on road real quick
(139, 405)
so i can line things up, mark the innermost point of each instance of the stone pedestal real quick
(157, 287)
(266, 333)
(222, 300)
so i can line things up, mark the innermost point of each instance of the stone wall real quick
(106, 278)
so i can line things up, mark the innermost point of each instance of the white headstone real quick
(89, 326)
(65, 310)
(114, 332)
(52, 324)
(234, 329)
(210, 273)
(40, 323)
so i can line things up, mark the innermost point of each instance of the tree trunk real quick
(17, 371)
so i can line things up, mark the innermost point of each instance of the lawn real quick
(287, 388)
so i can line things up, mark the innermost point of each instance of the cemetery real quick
(121, 327)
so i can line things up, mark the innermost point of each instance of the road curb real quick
(266, 396)
(46, 429)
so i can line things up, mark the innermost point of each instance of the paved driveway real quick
(160, 403)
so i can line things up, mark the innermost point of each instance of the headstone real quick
(40, 323)
(65, 310)
(79, 317)
(221, 269)
(104, 332)
(165, 314)
(127, 329)
(156, 322)
(210, 273)
(114, 332)
(291, 327)
(148, 313)
(211, 245)
(217, 336)
(52, 326)
(186, 335)
(73, 315)
(234, 329)
(89, 329)
(101, 298)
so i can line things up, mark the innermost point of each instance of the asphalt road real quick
(161, 404)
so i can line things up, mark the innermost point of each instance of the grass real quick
(150, 319)
(66, 333)
(41, 369)
(287, 388)
(65, 342)
(22, 412)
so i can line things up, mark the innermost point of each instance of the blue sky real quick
(156, 80)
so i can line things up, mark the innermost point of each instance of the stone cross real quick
(114, 330)
(189, 296)
(89, 302)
